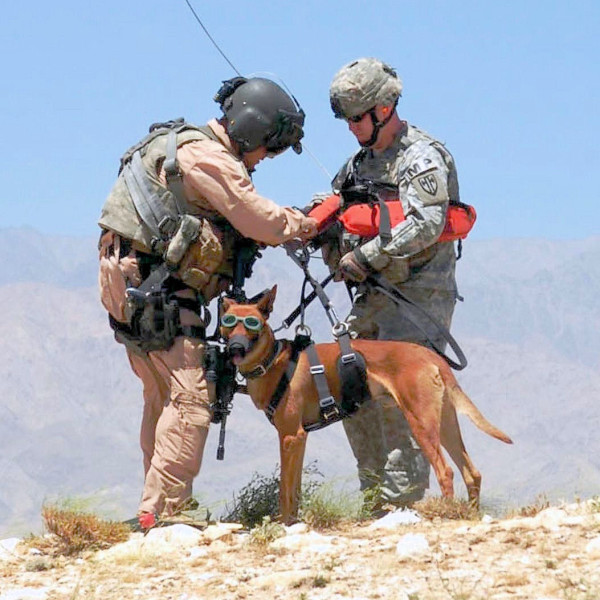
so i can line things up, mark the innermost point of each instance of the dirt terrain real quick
(552, 555)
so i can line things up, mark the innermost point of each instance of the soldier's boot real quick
(364, 431)
(406, 470)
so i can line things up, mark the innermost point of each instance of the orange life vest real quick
(363, 219)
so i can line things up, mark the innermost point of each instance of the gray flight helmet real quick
(258, 112)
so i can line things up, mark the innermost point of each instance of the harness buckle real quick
(167, 225)
(339, 329)
(259, 371)
(329, 409)
(326, 402)
(348, 358)
(317, 370)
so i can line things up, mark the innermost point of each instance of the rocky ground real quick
(554, 555)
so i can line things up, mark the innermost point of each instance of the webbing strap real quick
(393, 293)
(385, 223)
(149, 206)
(142, 207)
(281, 388)
(298, 345)
(353, 376)
(173, 174)
(327, 404)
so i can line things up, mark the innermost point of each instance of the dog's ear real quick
(265, 304)
(226, 304)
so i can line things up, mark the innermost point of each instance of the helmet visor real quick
(288, 132)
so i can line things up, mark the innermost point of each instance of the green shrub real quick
(259, 498)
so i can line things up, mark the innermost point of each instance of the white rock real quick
(487, 519)
(396, 518)
(8, 545)
(302, 540)
(550, 518)
(220, 530)
(25, 594)
(198, 552)
(179, 535)
(593, 547)
(411, 544)
(296, 528)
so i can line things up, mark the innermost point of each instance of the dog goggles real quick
(250, 323)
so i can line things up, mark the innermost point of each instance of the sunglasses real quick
(250, 323)
(357, 118)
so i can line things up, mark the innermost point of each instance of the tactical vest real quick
(119, 212)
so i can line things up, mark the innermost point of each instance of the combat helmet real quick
(361, 85)
(258, 112)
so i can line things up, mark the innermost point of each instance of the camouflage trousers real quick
(381, 441)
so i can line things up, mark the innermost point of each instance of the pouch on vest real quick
(152, 316)
(153, 325)
(202, 257)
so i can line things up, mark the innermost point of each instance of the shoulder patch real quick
(428, 183)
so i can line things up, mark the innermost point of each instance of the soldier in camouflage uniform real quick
(365, 94)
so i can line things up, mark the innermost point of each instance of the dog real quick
(419, 380)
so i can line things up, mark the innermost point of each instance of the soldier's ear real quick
(265, 304)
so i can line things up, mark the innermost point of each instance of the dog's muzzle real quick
(238, 346)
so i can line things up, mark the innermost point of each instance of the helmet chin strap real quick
(377, 126)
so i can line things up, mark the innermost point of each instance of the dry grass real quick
(447, 508)
(530, 510)
(73, 532)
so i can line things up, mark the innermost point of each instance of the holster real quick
(153, 322)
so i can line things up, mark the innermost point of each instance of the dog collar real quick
(263, 367)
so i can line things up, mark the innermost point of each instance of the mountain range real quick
(70, 406)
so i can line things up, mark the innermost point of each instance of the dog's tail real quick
(465, 406)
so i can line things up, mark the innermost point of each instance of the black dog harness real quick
(351, 368)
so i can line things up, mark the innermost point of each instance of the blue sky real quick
(511, 87)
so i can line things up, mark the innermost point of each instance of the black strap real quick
(298, 345)
(304, 303)
(281, 388)
(352, 370)
(385, 222)
(393, 293)
(261, 369)
(327, 404)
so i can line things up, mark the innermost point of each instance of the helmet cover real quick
(361, 85)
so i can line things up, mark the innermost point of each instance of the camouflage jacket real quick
(425, 174)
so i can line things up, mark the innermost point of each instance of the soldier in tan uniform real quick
(171, 225)
(365, 94)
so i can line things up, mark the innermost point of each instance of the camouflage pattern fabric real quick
(358, 86)
(424, 271)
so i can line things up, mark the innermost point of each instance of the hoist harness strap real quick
(382, 285)
(352, 371)
(298, 345)
(303, 304)
(327, 404)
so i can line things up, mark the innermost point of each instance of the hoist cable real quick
(210, 38)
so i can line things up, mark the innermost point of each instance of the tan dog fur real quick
(420, 381)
